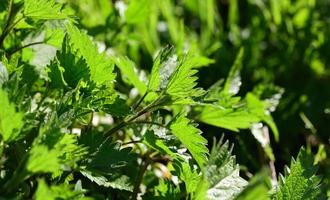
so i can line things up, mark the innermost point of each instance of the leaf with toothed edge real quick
(299, 181)
(191, 138)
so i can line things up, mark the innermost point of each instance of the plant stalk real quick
(143, 167)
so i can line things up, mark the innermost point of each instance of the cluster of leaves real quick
(81, 118)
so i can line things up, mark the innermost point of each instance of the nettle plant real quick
(68, 133)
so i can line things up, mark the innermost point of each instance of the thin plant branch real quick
(143, 167)
(132, 142)
(24, 46)
(140, 100)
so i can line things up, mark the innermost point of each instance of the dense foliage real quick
(151, 99)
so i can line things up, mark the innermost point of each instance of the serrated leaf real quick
(162, 61)
(100, 67)
(191, 138)
(152, 141)
(117, 108)
(197, 61)
(52, 148)
(110, 157)
(165, 190)
(128, 70)
(182, 82)
(222, 174)
(233, 114)
(258, 108)
(233, 81)
(257, 189)
(175, 77)
(300, 181)
(55, 74)
(190, 176)
(43, 9)
(11, 121)
(228, 118)
(43, 160)
(120, 183)
(72, 67)
(228, 187)
(54, 192)
(105, 157)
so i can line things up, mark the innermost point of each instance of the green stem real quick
(131, 118)
(140, 101)
(149, 122)
(132, 142)
(3, 34)
(19, 175)
(143, 168)
(10, 8)
(151, 107)
(22, 47)
(6, 32)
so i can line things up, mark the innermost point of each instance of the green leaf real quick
(128, 71)
(69, 152)
(154, 142)
(197, 61)
(43, 9)
(105, 156)
(55, 74)
(229, 111)
(175, 77)
(167, 9)
(118, 108)
(229, 118)
(100, 67)
(222, 173)
(43, 191)
(232, 113)
(68, 68)
(300, 181)
(110, 156)
(233, 81)
(165, 190)
(162, 61)
(191, 138)
(190, 176)
(183, 81)
(43, 160)
(257, 189)
(52, 148)
(55, 192)
(120, 183)
(258, 108)
(201, 193)
(11, 121)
